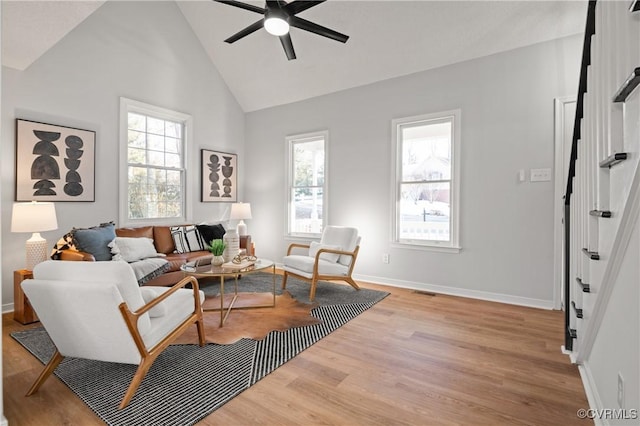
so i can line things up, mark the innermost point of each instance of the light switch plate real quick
(540, 175)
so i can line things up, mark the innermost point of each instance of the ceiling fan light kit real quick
(278, 17)
(276, 23)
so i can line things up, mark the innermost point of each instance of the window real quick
(153, 177)
(426, 180)
(307, 182)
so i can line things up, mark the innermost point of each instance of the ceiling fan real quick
(278, 17)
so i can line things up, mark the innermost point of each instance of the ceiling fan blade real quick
(243, 33)
(241, 5)
(303, 24)
(298, 6)
(288, 46)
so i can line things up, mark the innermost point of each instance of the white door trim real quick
(560, 141)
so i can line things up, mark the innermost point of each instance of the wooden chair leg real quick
(312, 295)
(55, 360)
(142, 370)
(201, 335)
(352, 283)
(284, 280)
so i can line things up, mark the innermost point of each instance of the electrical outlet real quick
(385, 258)
(620, 390)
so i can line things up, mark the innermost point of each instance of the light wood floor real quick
(412, 359)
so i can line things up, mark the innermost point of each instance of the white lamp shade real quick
(33, 217)
(240, 211)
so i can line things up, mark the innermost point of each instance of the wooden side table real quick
(22, 310)
(247, 244)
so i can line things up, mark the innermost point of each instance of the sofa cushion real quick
(138, 232)
(163, 240)
(186, 238)
(95, 240)
(132, 249)
(303, 265)
(210, 232)
(179, 306)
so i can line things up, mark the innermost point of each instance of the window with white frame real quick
(153, 177)
(306, 186)
(426, 150)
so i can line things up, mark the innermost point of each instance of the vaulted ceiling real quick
(387, 39)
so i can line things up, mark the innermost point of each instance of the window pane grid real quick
(155, 168)
(307, 180)
(424, 181)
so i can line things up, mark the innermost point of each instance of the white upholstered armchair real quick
(332, 259)
(96, 310)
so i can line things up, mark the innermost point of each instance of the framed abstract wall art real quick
(219, 171)
(54, 163)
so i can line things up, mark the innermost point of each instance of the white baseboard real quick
(590, 389)
(4, 421)
(7, 307)
(462, 292)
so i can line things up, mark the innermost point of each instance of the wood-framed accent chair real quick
(332, 259)
(96, 310)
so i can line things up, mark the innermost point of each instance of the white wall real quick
(141, 50)
(3, 420)
(507, 125)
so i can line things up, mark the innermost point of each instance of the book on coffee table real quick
(236, 266)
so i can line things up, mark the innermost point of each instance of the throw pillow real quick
(95, 240)
(314, 247)
(210, 232)
(186, 238)
(64, 243)
(131, 249)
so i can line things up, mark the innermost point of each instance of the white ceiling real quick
(387, 39)
(30, 28)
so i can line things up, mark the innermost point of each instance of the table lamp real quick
(241, 211)
(34, 217)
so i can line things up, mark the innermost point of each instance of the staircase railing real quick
(590, 29)
(592, 258)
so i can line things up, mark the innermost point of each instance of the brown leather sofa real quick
(163, 242)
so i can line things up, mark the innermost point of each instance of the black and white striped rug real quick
(187, 382)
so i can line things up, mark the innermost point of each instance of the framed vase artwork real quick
(54, 163)
(219, 172)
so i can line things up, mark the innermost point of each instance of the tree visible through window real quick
(307, 180)
(426, 185)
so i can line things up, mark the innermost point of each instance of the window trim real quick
(290, 140)
(452, 246)
(129, 105)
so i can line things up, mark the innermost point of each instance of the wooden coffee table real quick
(251, 300)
